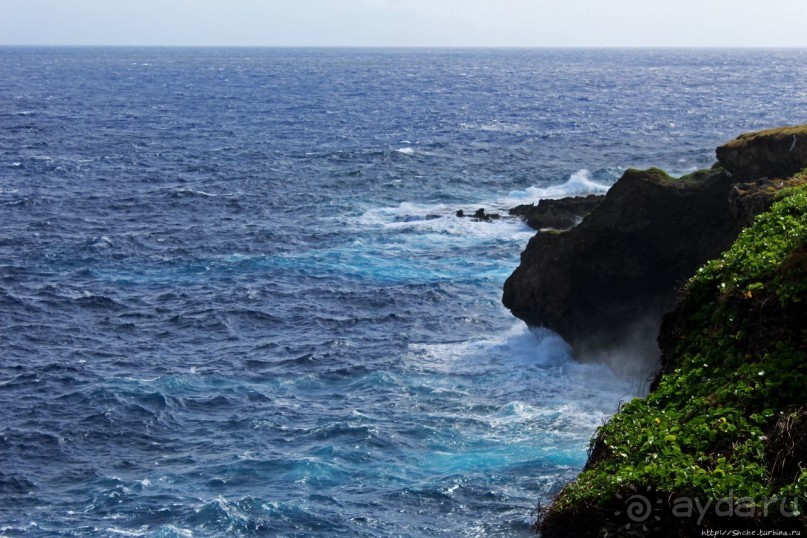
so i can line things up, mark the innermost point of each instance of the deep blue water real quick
(234, 299)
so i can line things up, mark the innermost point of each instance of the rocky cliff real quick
(774, 153)
(605, 284)
(720, 442)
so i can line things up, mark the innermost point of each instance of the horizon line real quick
(447, 47)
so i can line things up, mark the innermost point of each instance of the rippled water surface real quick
(235, 300)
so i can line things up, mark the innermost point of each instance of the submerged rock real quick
(479, 215)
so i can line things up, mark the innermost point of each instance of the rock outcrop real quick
(479, 215)
(774, 153)
(605, 284)
(747, 200)
(558, 214)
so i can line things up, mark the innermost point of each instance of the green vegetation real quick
(736, 377)
(700, 175)
(653, 173)
(661, 176)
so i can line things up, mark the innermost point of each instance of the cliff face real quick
(774, 153)
(721, 440)
(605, 284)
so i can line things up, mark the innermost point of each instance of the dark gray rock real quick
(604, 284)
(560, 214)
(774, 153)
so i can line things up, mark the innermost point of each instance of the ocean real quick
(235, 299)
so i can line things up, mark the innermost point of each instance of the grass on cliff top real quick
(661, 176)
(778, 134)
(704, 431)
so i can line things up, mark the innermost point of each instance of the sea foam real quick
(579, 183)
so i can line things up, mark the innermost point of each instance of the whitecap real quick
(579, 184)
(171, 530)
(127, 532)
(494, 127)
(402, 213)
(549, 396)
(539, 356)
(102, 242)
(194, 192)
(436, 221)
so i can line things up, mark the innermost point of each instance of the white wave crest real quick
(579, 184)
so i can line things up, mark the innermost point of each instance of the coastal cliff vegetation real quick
(720, 442)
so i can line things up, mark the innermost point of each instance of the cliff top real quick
(777, 134)
(773, 153)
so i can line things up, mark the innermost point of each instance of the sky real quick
(417, 23)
